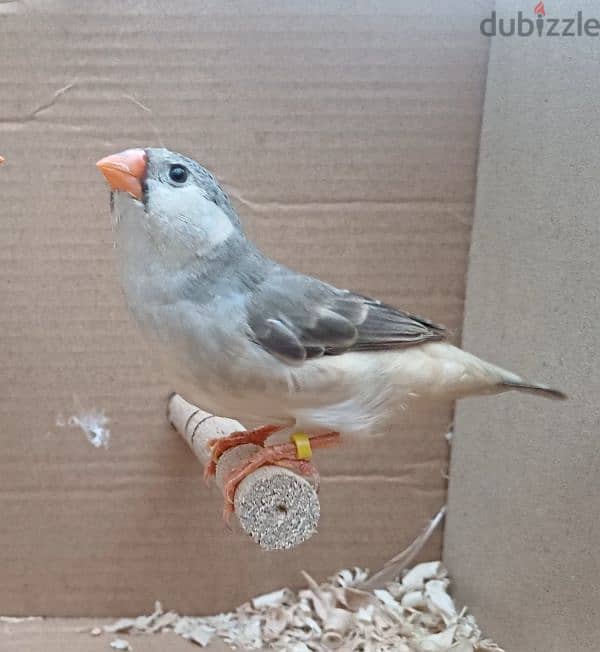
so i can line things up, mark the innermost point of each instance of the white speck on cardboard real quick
(93, 423)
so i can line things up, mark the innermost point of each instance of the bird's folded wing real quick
(297, 317)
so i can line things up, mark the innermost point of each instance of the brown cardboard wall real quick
(523, 537)
(347, 135)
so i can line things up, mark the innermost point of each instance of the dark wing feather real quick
(296, 317)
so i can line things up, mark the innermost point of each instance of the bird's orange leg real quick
(285, 455)
(222, 444)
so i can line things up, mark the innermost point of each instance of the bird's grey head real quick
(176, 201)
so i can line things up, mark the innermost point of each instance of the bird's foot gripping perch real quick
(295, 456)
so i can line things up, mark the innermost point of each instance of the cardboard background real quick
(347, 136)
(523, 536)
(72, 634)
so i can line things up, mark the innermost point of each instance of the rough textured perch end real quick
(276, 507)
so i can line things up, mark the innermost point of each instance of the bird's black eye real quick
(178, 174)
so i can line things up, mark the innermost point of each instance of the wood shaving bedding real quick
(412, 614)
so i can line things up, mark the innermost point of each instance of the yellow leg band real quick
(303, 449)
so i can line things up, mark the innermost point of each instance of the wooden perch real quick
(276, 507)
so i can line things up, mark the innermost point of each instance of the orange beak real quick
(1, 160)
(124, 171)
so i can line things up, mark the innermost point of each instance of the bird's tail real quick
(503, 380)
(534, 388)
(463, 374)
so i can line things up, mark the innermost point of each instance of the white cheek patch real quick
(217, 225)
(186, 213)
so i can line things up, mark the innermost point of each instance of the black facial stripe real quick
(144, 181)
(144, 185)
